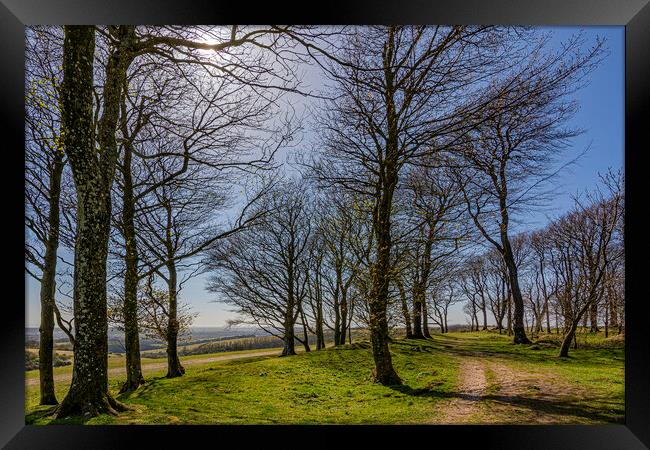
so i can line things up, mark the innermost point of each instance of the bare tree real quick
(44, 174)
(510, 155)
(393, 96)
(543, 283)
(584, 245)
(614, 296)
(442, 295)
(263, 271)
(436, 205)
(124, 45)
(315, 288)
(153, 312)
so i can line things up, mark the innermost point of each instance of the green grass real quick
(334, 386)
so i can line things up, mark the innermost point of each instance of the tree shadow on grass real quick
(565, 407)
(48, 413)
(248, 360)
(142, 390)
(427, 391)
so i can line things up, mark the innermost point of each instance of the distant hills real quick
(116, 337)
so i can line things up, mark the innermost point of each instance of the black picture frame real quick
(633, 14)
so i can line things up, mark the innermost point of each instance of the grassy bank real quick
(334, 386)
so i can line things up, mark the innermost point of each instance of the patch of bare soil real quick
(524, 397)
(491, 392)
(465, 405)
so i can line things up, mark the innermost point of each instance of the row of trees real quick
(304, 266)
(152, 149)
(140, 138)
(571, 272)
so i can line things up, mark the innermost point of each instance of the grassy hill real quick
(454, 378)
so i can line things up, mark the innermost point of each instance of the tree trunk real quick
(606, 319)
(289, 338)
(88, 394)
(593, 318)
(484, 309)
(419, 292)
(526, 322)
(509, 321)
(48, 287)
(320, 335)
(289, 317)
(613, 319)
(474, 316)
(344, 315)
(384, 372)
(134, 376)
(568, 338)
(417, 315)
(305, 342)
(425, 321)
(518, 314)
(405, 308)
(337, 310)
(174, 366)
(305, 335)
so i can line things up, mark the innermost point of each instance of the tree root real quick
(102, 403)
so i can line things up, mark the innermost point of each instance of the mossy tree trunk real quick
(88, 394)
(384, 372)
(289, 336)
(93, 174)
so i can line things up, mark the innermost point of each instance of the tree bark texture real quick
(88, 394)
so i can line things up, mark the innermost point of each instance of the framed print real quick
(402, 220)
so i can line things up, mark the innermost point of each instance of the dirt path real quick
(472, 386)
(491, 392)
(152, 367)
(539, 397)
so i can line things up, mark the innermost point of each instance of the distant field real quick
(116, 363)
(475, 377)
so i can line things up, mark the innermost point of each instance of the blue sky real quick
(601, 114)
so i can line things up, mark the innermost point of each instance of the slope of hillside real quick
(454, 378)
